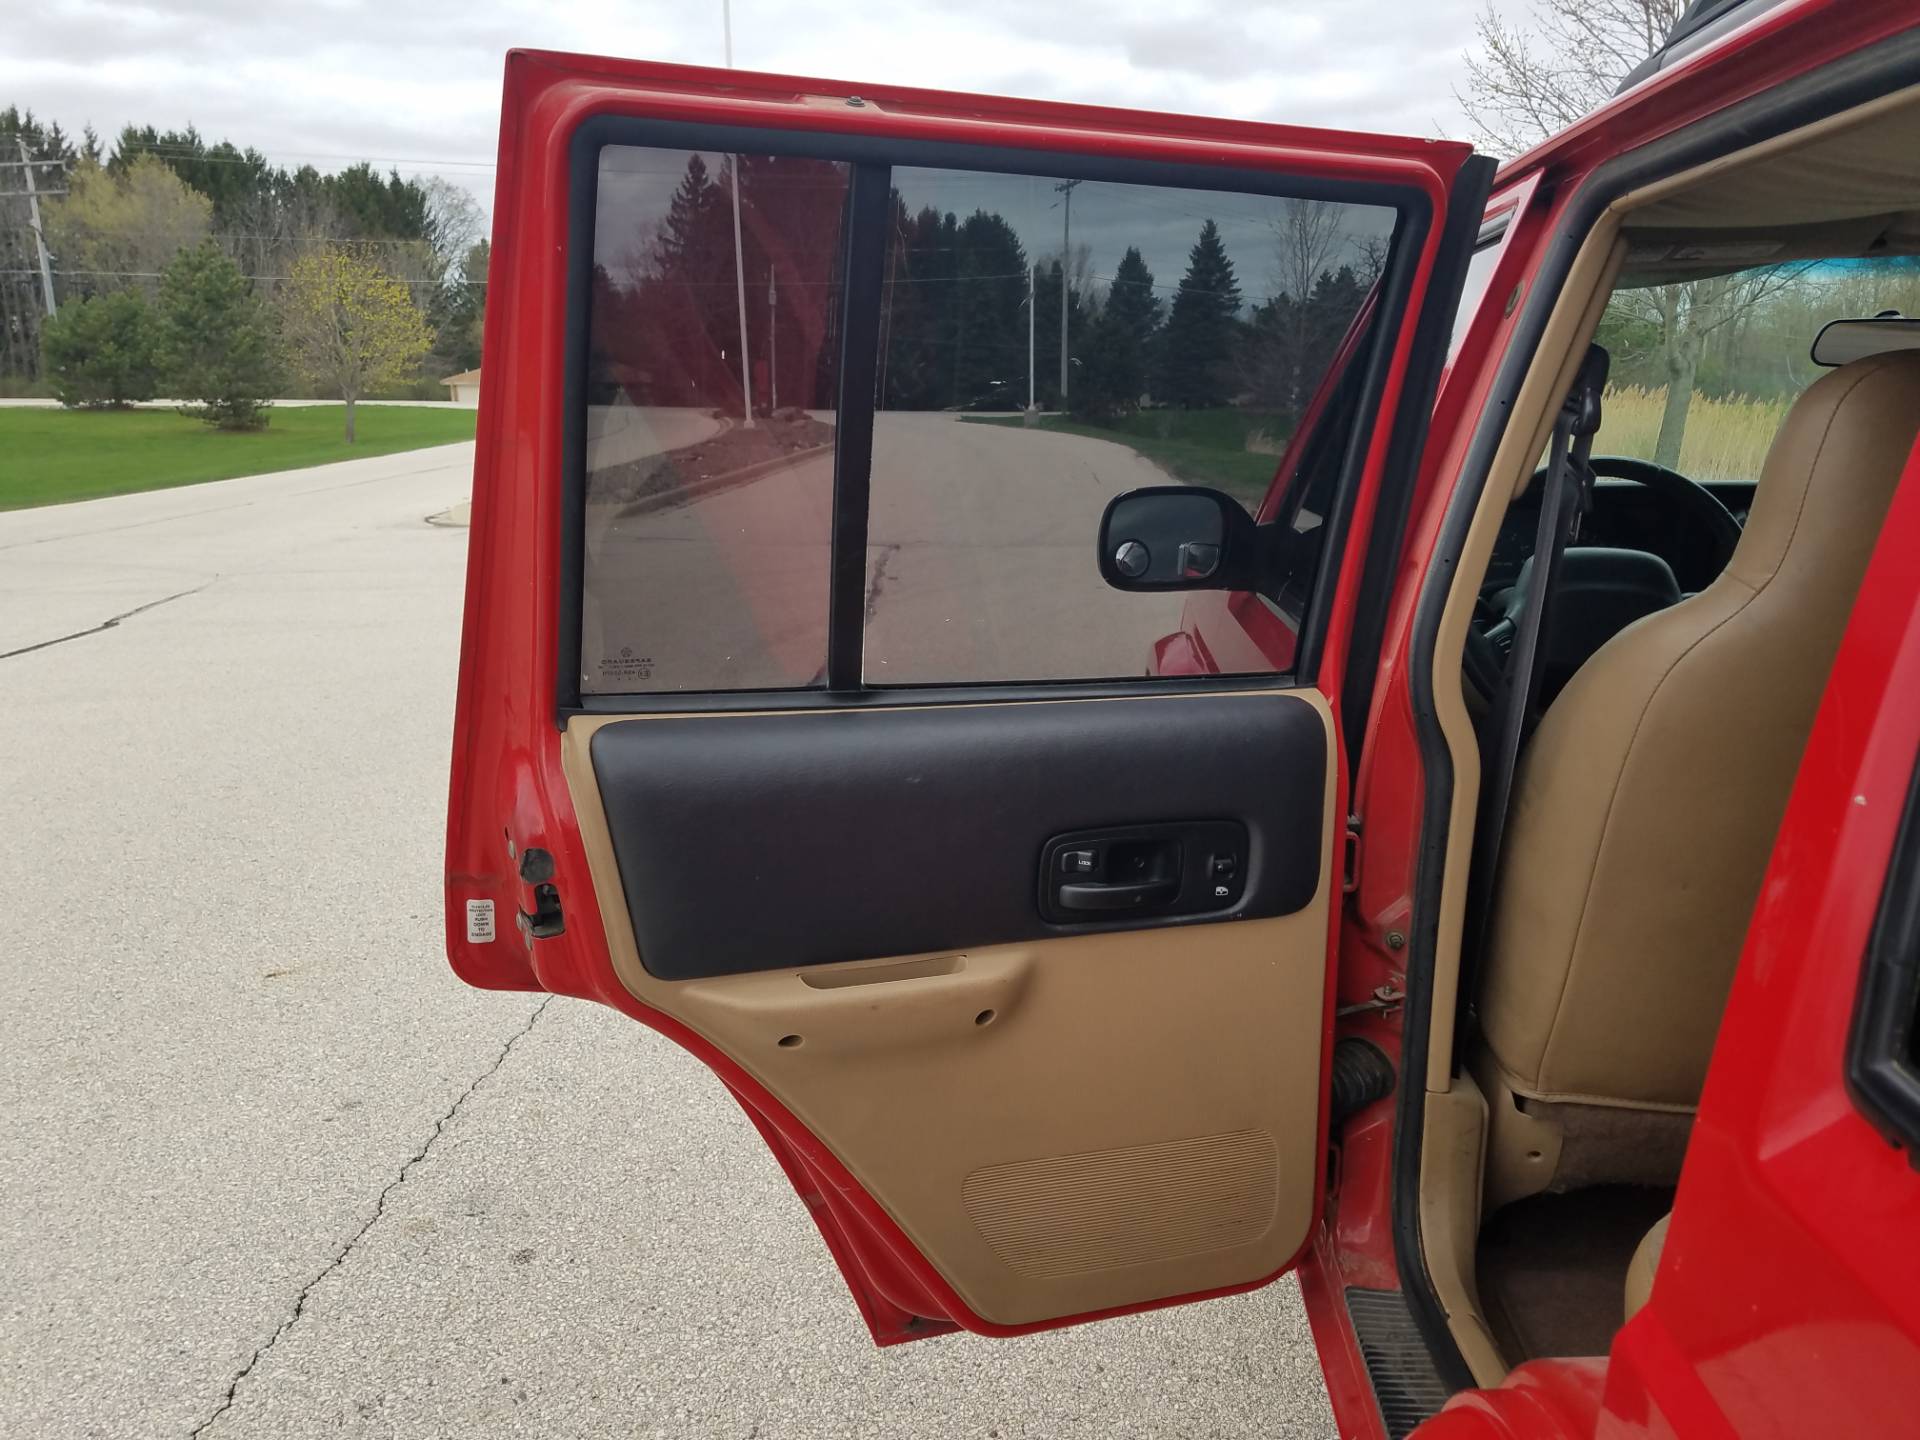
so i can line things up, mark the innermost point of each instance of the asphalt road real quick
(267, 1169)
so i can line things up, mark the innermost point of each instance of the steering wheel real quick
(1601, 591)
(1688, 496)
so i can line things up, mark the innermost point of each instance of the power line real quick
(259, 161)
(156, 275)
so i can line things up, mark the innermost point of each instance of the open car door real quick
(798, 718)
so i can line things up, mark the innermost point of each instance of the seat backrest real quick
(1646, 804)
(1645, 1264)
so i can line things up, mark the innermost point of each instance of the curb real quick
(707, 485)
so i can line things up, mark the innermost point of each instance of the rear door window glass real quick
(706, 528)
(1198, 327)
(1041, 345)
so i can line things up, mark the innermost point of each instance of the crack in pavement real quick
(379, 1211)
(877, 577)
(106, 624)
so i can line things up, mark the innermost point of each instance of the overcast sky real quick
(418, 85)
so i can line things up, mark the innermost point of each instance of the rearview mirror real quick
(1842, 341)
(1178, 537)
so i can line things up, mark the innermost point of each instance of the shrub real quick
(100, 352)
(216, 340)
(1726, 438)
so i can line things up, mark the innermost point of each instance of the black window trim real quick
(877, 155)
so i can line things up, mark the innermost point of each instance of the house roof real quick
(465, 377)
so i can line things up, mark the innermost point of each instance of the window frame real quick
(1494, 233)
(871, 160)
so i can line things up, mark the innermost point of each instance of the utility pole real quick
(739, 256)
(1065, 187)
(1033, 299)
(773, 341)
(39, 235)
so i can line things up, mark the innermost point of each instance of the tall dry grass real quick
(1724, 439)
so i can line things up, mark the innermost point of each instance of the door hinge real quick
(546, 919)
(1350, 856)
(1384, 999)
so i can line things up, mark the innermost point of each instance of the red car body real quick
(1788, 1296)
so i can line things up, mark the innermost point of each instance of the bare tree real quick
(1686, 316)
(1532, 77)
(269, 230)
(1081, 280)
(1308, 234)
(454, 219)
(1370, 254)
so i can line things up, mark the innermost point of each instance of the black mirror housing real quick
(1178, 537)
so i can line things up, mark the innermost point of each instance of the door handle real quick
(1139, 874)
(1118, 897)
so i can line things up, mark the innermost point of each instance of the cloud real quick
(418, 86)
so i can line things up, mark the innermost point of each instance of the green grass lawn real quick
(47, 456)
(1201, 447)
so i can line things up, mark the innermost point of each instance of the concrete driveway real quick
(267, 1169)
(980, 566)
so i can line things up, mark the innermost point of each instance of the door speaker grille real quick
(1073, 1214)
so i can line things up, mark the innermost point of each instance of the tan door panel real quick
(1061, 1125)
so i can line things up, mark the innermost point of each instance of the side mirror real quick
(1178, 537)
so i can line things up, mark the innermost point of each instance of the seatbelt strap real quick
(1564, 499)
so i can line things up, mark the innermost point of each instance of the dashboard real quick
(1627, 516)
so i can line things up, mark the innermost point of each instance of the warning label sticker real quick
(479, 922)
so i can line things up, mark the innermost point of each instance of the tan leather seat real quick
(1646, 1260)
(1646, 804)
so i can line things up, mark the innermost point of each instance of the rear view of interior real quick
(1741, 469)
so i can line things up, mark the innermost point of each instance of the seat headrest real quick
(1832, 469)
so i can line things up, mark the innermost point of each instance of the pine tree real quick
(1046, 299)
(990, 315)
(1336, 299)
(216, 341)
(1198, 351)
(100, 351)
(1270, 354)
(688, 216)
(1120, 349)
(1131, 298)
(688, 336)
(918, 259)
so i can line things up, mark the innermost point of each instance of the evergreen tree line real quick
(666, 317)
(954, 311)
(151, 195)
(956, 330)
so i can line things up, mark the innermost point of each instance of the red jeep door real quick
(796, 719)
